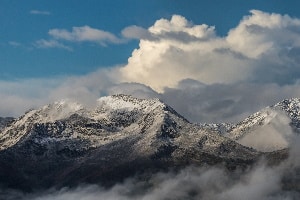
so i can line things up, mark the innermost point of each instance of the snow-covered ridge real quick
(287, 107)
(128, 102)
(253, 121)
(272, 128)
(110, 111)
(115, 117)
(67, 107)
(292, 109)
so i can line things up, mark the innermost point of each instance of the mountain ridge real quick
(121, 136)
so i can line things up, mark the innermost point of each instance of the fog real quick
(274, 135)
(261, 182)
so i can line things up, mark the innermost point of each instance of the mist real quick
(274, 135)
(261, 182)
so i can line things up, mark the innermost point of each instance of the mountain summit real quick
(65, 143)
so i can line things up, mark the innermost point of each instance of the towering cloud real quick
(175, 49)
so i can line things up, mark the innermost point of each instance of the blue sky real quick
(24, 23)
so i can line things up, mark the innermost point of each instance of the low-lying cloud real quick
(262, 182)
(275, 133)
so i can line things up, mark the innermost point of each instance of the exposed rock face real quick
(4, 121)
(64, 143)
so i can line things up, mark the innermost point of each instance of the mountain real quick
(65, 144)
(271, 127)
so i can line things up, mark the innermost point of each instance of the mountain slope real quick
(65, 143)
(270, 129)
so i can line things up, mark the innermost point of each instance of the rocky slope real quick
(64, 144)
(4, 121)
(274, 126)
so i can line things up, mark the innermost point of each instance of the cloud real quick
(39, 12)
(196, 101)
(18, 96)
(262, 33)
(262, 48)
(135, 89)
(136, 32)
(216, 103)
(14, 43)
(84, 34)
(260, 182)
(45, 44)
(275, 134)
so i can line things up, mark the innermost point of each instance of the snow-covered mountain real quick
(270, 129)
(65, 143)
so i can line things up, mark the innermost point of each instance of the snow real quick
(105, 113)
(118, 117)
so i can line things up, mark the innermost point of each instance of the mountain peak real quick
(269, 129)
(292, 108)
(121, 101)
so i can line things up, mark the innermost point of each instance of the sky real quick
(213, 61)
(29, 50)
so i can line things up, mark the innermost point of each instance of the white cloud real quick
(39, 12)
(262, 48)
(20, 95)
(51, 44)
(262, 33)
(276, 134)
(84, 34)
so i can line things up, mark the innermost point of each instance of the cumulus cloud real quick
(262, 48)
(262, 33)
(84, 34)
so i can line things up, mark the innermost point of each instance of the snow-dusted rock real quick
(121, 135)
